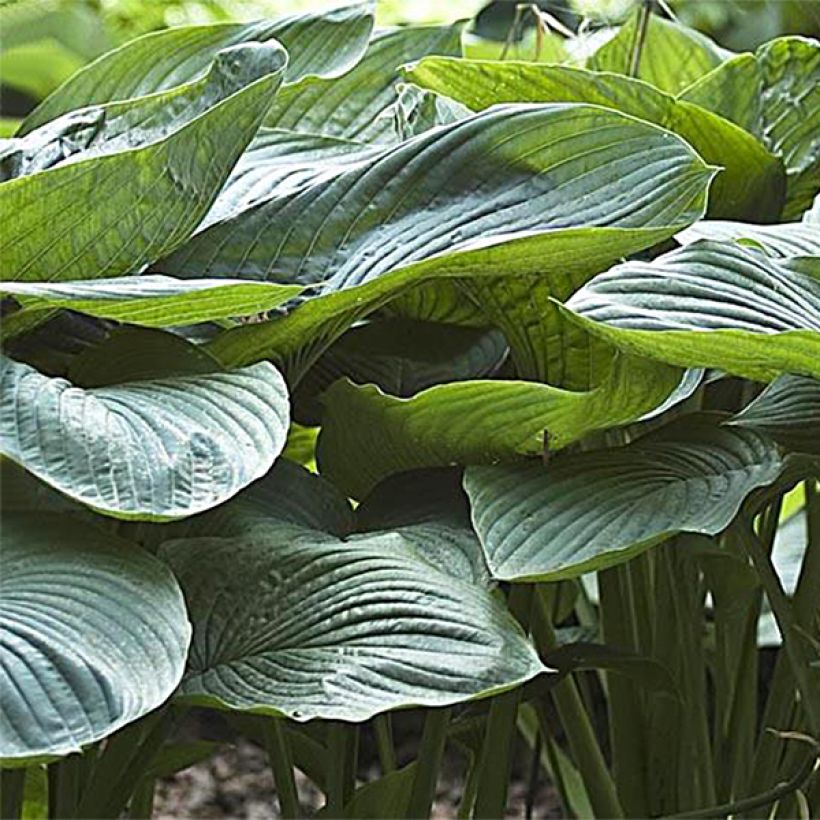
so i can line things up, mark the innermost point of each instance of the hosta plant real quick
(344, 374)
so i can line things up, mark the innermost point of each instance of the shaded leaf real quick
(156, 449)
(401, 356)
(94, 635)
(788, 410)
(645, 671)
(594, 510)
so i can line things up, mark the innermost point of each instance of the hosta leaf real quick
(354, 106)
(129, 354)
(417, 110)
(401, 356)
(709, 305)
(812, 215)
(325, 44)
(153, 301)
(774, 94)
(787, 239)
(113, 187)
(672, 56)
(288, 494)
(788, 410)
(290, 620)
(593, 510)
(361, 232)
(367, 435)
(751, 184)
(94, 635)
(430, 509)
(156, 449)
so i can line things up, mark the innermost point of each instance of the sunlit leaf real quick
(367, 435)
(709, 305)
(105, 190)
(323, 44)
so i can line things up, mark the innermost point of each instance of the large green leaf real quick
(774, 94)
(153, 301)
(593, 510)
(105, 190)
(401, 356)
(155, 449)
(672, 56)
(788, 410)
(709, 305)
(94, 635)
(367, 435)
(356, 106)
(751, 185)
(290, 620)
(784, 240)
(325, 44)
(564, 190)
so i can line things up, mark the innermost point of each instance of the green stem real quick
(430, 754)
(12, 788)
(384, 743)
(337, 747)
(119, 768)
(626, 718)
(757, 801)
(281, 764)
(496, 757)
(142, 803)
(580, 735)
(781, 703)
(640, 38)
(465, 806)
(64, 786)
(782, 609)
(535, 770)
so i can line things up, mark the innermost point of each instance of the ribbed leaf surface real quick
(153, 300)
(356, 106)
(709, 305)
(292, 620)
(751, 184)
(325, 44)
(786, 239)
(563, 188)
(93, 635)
(597, 509)
(156, 449)
(367, 435)
(788, 410)
(311, 627)
(105, 190)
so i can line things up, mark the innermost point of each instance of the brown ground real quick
(237, 783)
